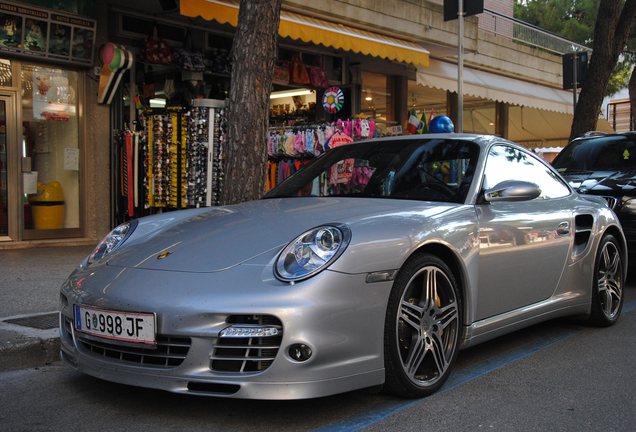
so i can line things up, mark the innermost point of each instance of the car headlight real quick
(312, 252)
(112, 240)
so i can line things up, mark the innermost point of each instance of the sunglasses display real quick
(183, 155)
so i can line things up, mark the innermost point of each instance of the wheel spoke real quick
(446, 315)
(430, 289)
(437, 349)
(411, 315)
(415, 357)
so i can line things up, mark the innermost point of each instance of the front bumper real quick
(339, 316)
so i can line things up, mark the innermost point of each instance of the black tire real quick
(421, 330)
(607, 289)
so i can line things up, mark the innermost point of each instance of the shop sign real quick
(42, 34)
(333, 100)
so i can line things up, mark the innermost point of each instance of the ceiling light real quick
(290, 93)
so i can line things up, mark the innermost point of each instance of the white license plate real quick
(122, 326)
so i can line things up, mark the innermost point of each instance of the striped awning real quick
(318, 31)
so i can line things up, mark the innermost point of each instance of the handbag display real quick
(281, 75)
(298, 71)
(188, 58)
(155, 49)
(318, 75)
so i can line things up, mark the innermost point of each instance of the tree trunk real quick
(253, 57)
(610, 35)
(632, 100)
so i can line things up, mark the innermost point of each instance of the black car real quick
(605, 165)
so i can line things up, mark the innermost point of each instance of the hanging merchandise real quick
(157, 157)
(149, 84)
(207, 130)
(281, 75)
(290, 147)
(187, 58)
(155, 49)
(169, 88)
(333, 100)
(318, 75)
(298, 71)
(177, 139)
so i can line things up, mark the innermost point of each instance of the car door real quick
(523, 245)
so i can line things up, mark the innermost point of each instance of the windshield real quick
(612, 153)
(423, 169)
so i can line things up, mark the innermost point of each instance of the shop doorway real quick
(40, 153)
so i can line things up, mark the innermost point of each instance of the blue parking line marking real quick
(382, 410)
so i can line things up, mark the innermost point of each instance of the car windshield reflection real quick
(428, 169)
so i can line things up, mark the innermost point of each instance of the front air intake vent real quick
(247, 353)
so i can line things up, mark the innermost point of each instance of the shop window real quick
(377, 98)
(50, 114)
(426, 100)
(479, 116)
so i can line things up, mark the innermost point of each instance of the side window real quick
(508, 163)
(552, 186)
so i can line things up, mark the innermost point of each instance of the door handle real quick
(563, 228)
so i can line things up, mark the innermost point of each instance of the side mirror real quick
(512, 190)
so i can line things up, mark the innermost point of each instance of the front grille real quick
(254, 354)
(169, 351)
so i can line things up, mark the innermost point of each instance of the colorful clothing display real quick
(291, 147)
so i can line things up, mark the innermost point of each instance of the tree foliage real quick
(613, 26)
(571, 19)
(575, 20)
(603, 25)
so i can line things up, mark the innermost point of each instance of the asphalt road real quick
(554, 376)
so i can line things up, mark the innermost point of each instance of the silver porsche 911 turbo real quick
(371, 266)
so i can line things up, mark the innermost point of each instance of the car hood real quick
(224, 237)
(611, 183)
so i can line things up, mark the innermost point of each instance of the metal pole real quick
(459, 127)
(574, 57)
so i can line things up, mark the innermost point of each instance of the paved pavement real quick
(30, 282)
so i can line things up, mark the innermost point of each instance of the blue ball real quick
(441, 124)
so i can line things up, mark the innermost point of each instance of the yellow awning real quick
(315, 30)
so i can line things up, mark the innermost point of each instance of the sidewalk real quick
(30, 281)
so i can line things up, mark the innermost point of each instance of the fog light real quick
(300, 352)
(249, 331)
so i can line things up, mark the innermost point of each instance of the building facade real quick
(86, 111)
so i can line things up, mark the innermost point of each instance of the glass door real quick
(50, 152)
(9, 227)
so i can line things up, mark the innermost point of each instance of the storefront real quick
(154, 114)
(43, 58)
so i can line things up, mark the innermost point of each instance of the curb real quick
(29, 354)
(24, 347)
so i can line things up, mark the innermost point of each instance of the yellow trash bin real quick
(48, 206)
